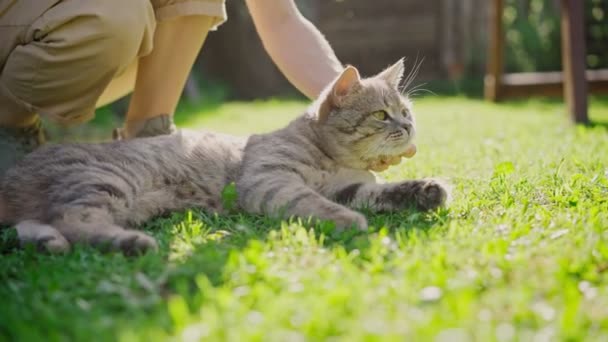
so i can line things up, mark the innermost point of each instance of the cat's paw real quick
(424, 194)
(43, 237)
(54, 244)
(132, 242)
(431, 195)
(349, 220)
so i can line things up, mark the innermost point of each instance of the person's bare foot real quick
(159, 125)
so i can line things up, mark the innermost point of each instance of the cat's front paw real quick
(430, 195)
(424, 194)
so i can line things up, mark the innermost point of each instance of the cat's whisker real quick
(421, 90)
(415, 71)
(410, 81)
(412, 74)
(418, 86)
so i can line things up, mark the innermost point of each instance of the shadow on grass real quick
(405, 222)
(135, 293)
(225, 237)
(598, 124)
(235, 232)
(195, 242)
(8, 240)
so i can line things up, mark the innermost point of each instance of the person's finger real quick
(410, 151)
(394, 160)
(378, 166)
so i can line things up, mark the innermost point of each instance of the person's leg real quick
(15, 22)
(119, 87)
(60, 63)
(20, 127)
(73, 51)
(160, 77)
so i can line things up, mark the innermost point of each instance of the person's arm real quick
(295, 45)
(301, 52)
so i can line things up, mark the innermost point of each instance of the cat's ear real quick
(393, 74)
(340, 87)
(348, 79)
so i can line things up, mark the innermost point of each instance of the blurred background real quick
(451, 36)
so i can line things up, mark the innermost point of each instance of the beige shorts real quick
(57, 57)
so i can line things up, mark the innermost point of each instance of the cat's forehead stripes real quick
(385, 101)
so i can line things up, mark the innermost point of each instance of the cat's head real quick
(364, 119)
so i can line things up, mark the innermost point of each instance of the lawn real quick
(520, 254)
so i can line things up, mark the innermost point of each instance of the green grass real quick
(521, 253)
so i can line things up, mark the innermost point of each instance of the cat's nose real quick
(408, 127)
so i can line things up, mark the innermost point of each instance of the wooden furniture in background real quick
(574, 82)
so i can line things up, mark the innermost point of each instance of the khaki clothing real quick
(57, 57)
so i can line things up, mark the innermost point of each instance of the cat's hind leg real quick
(44, 236)
(95, 227)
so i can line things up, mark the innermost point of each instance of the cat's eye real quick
(381, 115)
(405, 113)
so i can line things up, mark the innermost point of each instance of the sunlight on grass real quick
(520, 254)
(243, 118)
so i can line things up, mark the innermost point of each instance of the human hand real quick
(384, 163)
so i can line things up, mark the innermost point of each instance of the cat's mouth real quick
(398, 142)
(400, 137)
(397, 135)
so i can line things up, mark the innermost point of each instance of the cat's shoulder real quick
(354, 175)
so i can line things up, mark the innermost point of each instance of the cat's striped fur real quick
(61, 194)
(314, 167)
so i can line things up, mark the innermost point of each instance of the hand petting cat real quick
(383, 163)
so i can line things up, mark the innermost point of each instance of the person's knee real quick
(76, 53)
(123, 31)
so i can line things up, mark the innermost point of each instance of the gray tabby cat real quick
(314, 167)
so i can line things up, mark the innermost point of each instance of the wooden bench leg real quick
(573, 59)
(494, 71)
